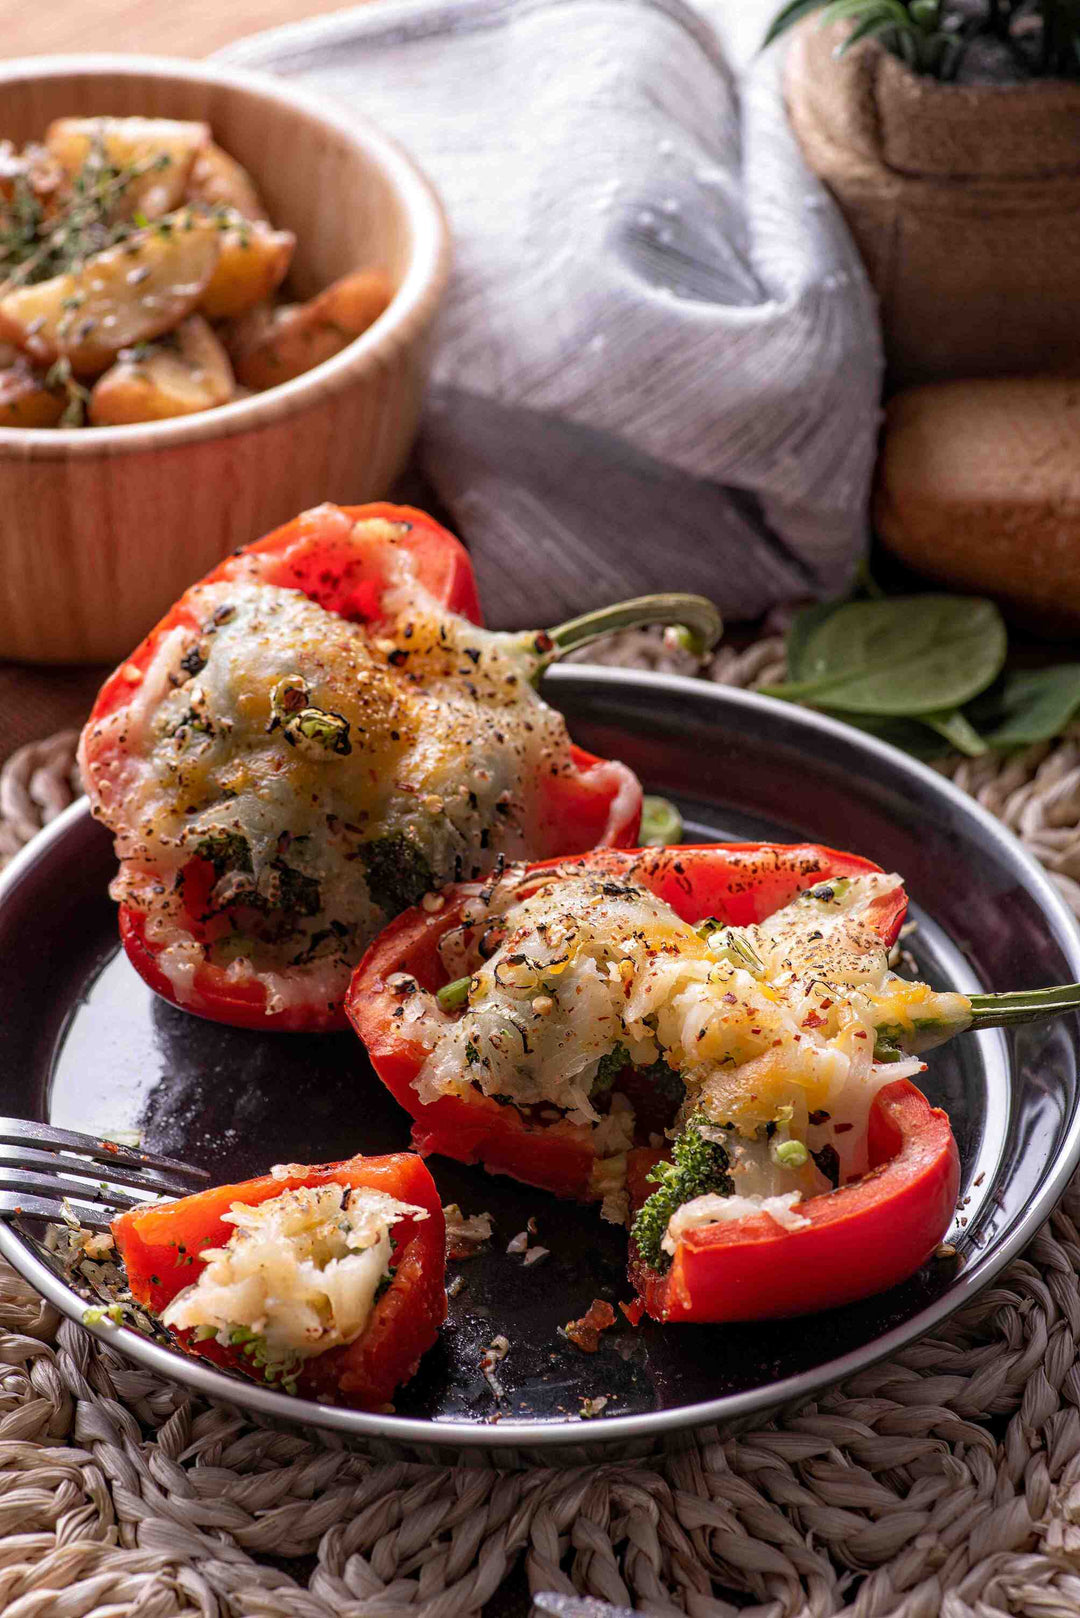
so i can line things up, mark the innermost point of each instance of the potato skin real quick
(189, 375)
(219, 181)
(128, 141)
(25, 401)
(128, 294)
(253, 262)
(273, 346)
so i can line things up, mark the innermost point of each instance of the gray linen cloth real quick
(659, 362)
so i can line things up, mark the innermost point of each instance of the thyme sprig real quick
(36, 245)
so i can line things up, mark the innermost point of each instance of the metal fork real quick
(59, 1174)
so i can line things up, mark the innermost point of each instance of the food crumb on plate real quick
(465, 1234)
(585, 1332)
(492, 1356)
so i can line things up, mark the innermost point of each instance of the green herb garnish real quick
(661, 823)
(455, 994)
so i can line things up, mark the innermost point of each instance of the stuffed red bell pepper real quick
(315, 736)
(565, 1023)
(328, 1282)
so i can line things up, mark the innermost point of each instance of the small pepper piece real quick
(160, 1244)
(585, 1332)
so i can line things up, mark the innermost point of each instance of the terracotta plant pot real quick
(964, 202)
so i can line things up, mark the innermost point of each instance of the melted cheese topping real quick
(772, 1025)
(300, 1272)
(330, 778)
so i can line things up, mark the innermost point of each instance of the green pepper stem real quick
(1026, 1005)
(694, 615)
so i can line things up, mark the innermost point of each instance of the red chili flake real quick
(458, 1249)
(633, 1311)
(812, 1020)
(585, 1333)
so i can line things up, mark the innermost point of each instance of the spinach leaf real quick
(1028, 705)
(902, 656)
(909, 735)
(803, 627)
(957, 730)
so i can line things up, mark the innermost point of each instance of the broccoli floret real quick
(398, 875)
(608, 1070)
(663, 1080)
(700, 1166)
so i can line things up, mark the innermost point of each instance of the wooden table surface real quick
(168, 27)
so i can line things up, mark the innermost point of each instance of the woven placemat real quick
(946, 1482)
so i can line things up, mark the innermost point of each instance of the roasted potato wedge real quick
(187, 372)
(25, 401)
(125, 295)
(219, 181)
(37, 167)
(162, 151)
(271, 346)
(254, 261)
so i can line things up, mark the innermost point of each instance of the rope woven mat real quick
(944, 1482)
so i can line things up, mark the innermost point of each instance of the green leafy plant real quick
(935, 37)
(925, 673)
(904, 655)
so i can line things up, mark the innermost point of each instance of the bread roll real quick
(979, 488)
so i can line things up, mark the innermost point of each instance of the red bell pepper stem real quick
(861, 1239)
(160, 1245)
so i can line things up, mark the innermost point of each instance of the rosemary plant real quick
(939, 38)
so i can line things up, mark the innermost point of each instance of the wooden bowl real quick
(102, 528)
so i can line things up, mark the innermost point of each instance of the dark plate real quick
(84, 1044)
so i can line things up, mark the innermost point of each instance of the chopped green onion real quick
(455, 994)
(730, 943)
(661, 823)
(791, 1154)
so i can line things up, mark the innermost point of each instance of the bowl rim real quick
(401, 322)
(511, 1442)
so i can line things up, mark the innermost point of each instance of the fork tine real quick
(27, 1132)
(55, 1163)
(35, 1207)
(58, 1186)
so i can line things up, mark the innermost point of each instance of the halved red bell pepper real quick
(861, 1239)
(346, 572)
(161, 1243)
(738, 883)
